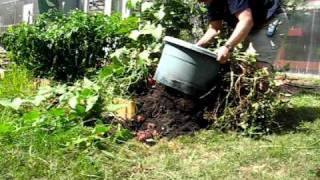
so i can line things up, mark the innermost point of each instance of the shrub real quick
(67, 46)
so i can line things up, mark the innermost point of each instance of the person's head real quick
(205, 1)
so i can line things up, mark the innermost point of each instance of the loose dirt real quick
(165, 112)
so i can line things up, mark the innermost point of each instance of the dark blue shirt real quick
(225, 10)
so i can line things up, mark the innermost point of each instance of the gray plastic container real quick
(186, 67)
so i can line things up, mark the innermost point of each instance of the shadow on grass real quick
(291, 119)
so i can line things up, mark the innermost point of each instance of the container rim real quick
(179, 42)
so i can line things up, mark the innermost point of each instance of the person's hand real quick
(223, 54)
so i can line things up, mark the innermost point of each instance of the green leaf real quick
(86, 92)
(6, 128)
(156, 47)
(134, 35)
(73, 102)
(5, 102)
(61, 89)
(72, 116)
(146, 5)
(80, 109)
(144, 55)
(91, 101)
(157, 33)
(100, 128)
(108, 70)
(45, 91)
(38, 100)
(160, 14)
(87, 83)
(80, 140)
(57, 112)
(119, 71)
(203, 9)
(31, 116)
(15, 104)
(149, 28)
(122, 134)
(244, 125)
(117, 54)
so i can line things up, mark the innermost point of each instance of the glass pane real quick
(11, 11)
(116, 5)
(302, 46)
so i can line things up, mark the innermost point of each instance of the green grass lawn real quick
(292, 153)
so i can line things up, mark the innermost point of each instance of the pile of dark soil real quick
(164, 112)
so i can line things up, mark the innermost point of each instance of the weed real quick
(17, 83)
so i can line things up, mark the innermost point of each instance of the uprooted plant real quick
(247, 98)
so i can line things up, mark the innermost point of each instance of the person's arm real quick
(213, 30)
(242, 28)
(241, 31)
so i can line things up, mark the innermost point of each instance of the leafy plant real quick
(61, 108)
(178, 17)
(67, 46)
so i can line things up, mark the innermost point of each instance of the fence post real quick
(85, 5)
(125, 11)
(107, 7)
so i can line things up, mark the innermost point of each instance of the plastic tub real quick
(186, 67)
